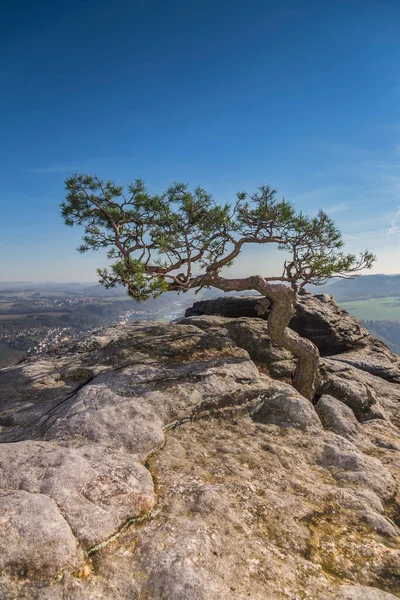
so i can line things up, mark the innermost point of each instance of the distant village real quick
(37, 321)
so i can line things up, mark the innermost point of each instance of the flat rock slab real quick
(362, 592)
(96, 490)
(35, 539)
(159, 462)
(246, 502)
(375, 358)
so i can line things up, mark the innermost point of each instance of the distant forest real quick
(361, 288)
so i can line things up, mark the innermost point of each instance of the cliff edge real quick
(176, 462)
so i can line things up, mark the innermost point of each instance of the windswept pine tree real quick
(182, 239)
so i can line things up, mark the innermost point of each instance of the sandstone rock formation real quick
(176, 462)
(317, 318)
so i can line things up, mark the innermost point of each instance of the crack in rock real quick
(56, 406)
(118, 533)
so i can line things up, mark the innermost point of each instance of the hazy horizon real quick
(91, 283)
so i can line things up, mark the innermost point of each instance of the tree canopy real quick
(182, 239)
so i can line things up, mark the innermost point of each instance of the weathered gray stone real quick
(362, 592)
(96, 489)
(370, 508)
(368, 396)
(329, 326)
(317, 318)
(35, 539)
(347, 463)
(374, 358)
(287, 409)
(337, 417)
(226, 499)
(360, 499)
(252, 335)
(261, 507)
(39, 402)
(227, 306)
(130, 408)
(352, 391)
(383, 434)
(380, 524)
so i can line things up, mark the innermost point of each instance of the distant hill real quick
(20, 286)
(72, 286)
(98, 290)
(361, 288)
(5, 285)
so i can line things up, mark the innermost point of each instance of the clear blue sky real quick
(303, 95)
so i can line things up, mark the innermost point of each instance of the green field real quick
(374, 309)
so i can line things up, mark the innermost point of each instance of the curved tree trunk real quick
(283, 300)
(283, 309)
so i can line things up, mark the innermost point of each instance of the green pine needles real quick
(180, 239)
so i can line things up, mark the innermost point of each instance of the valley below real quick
(36, 319)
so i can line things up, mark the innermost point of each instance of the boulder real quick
(374, 358)
(320, 319)
(228, 306)
(337, 417)
(351, 388)
(317, 318)
(35, 540)
(253, 336)
(96, 489)
(287, 409)
(362, 592)
(347, 463)
(369, 397)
